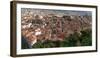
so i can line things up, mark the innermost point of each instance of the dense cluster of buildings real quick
(55, 27)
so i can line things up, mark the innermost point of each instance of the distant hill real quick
(59, 12)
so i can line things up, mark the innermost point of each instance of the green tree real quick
(86, 38)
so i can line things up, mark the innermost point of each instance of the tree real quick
(86, 38)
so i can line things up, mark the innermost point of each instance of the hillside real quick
(49, 26)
